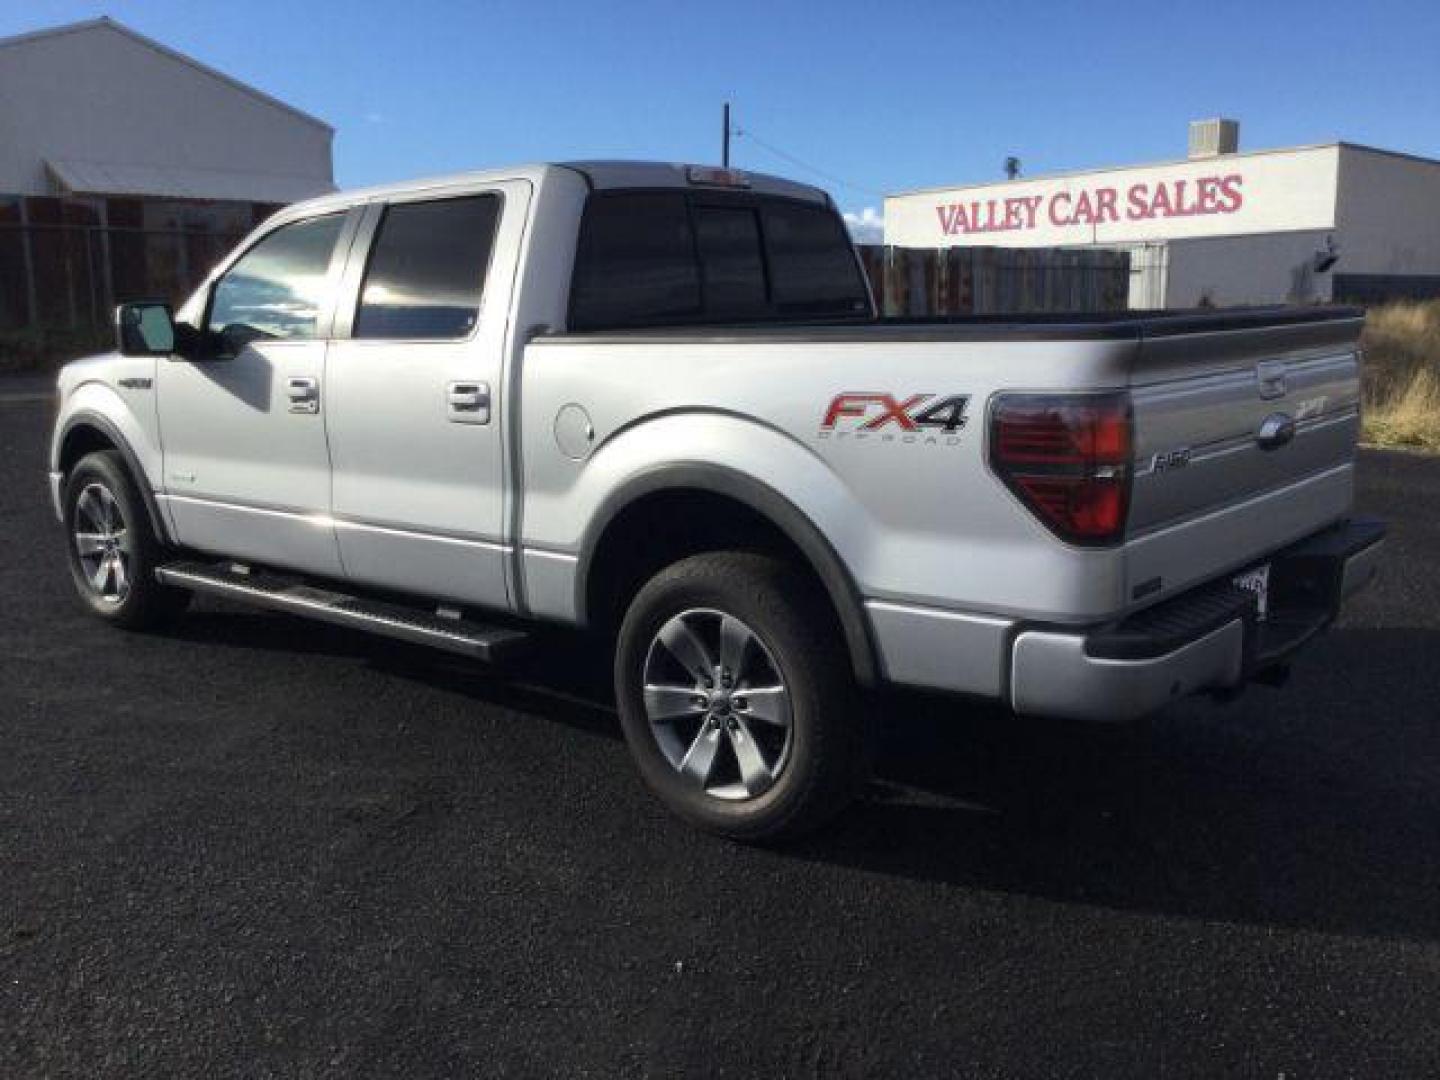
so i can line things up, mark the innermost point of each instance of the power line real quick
(745, 133)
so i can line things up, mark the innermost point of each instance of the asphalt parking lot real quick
(257, 846)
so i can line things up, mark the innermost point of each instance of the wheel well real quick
(663, 527)
(86, 436)
(80, 440)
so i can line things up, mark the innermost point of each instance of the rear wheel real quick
(112, 549)
(737, 698)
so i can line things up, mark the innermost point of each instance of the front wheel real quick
(737, 698)
(112, 549)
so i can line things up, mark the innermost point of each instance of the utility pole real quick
(725, 137)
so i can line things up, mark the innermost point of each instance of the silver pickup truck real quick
(655, 401)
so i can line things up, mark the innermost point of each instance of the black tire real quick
(143, 603)
(824, 754)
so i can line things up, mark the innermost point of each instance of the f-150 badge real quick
(913, 418)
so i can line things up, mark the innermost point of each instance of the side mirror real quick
(145, 328)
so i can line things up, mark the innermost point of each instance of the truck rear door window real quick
(636, 262)
(427, 269)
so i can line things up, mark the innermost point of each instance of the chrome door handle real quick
(468, 402)
(304, 394)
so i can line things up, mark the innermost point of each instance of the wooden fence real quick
(993, 280)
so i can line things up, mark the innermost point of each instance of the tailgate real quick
(1244, 442)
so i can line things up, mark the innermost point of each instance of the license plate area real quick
(1256, 580)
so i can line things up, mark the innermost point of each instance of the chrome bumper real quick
(1209, 639)
(1053, 675)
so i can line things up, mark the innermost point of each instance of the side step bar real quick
(291, 595)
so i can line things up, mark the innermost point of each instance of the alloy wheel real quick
(718, 704)
(103, 543)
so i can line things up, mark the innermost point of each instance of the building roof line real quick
(106, 23)
(1419, 159)
(1131, 167)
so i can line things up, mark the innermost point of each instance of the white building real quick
(1299, 225)
(127, 169)
(93, 108)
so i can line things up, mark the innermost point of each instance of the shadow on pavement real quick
(563, 678)
(1313, 807)
(1289, 809)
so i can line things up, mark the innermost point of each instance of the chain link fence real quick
(66, 262)
(68, 277)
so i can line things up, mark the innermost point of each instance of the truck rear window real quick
(665, 258)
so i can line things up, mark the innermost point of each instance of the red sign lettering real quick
(1095, 206)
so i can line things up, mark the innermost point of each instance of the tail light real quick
(1067, 458)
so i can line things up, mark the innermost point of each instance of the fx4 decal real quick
(915, 418)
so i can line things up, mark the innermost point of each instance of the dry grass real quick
(1402, 375)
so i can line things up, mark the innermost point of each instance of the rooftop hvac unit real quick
(1210, 138)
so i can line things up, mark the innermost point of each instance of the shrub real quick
(1401, 376)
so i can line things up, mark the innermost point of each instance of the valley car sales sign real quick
(1221, 196)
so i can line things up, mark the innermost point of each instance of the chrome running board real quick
(294, 596)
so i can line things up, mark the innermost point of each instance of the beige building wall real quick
(1389, 213)
(1272, 269)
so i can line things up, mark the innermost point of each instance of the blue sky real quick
(871, 97)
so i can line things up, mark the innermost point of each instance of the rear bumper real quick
(1210, 638)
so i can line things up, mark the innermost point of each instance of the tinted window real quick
(635, 263)
(657, 258)
(730, 260)
(427, 269)
(279, 287)
(811, 262)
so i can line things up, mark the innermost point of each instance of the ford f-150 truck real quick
(656, 401)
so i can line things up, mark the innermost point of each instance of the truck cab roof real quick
(599, 175)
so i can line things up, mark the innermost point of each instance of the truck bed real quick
(1205, 499)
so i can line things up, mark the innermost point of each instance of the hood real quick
(86, 369)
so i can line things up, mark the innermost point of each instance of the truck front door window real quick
(279, 287)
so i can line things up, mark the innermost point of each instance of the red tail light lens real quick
(1067, 457)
